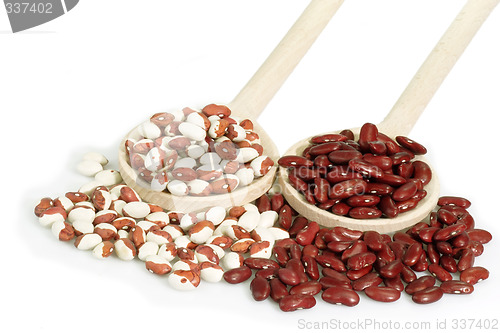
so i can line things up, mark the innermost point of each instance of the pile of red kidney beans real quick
(340, 263)
(373, 177)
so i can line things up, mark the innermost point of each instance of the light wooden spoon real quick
(249, 103)
(401, 120)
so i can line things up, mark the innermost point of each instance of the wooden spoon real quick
(401, 120)
(249, 103)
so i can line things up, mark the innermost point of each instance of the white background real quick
(80, 82)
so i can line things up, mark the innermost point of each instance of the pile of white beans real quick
(106, 216)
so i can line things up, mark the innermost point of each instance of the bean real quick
(426, 234)
(263, 203)
(298, 224)
(473, 275)
(363, 200)
(348, 233)
(373, 240)
(267, 273)
(306, 288)
(386, 254)
(297, 266)
(365, 168)
(466, 260)
(328, 272)
(321, 189)
(297, 183)
(278, 290)
(440, 273)
(394, 283)
(237, 275)
(449, 232)
(412, 254)
(328, 282)
(288, 276)
(348, 134)
(444, 247)
(461, 240)
(457, 201)
(296, 302)
(377, 147)
(285, 217)
(420, 284)
(310, 267)
(343, 156)
(383, 162)
(338, 246)
(456, 287)
(368, 280)
(357, 274)
(348, 188)
(392, 269)
(260, 263)
(361, 260)
(281, 255)
(379, 189)
(367, 133)
(392, 180)
(325, 148)
(332, 262)
(398, 248)
(382, 294)
(341, 209)
(294, 161)
(310, 250)
(340, 173)
(260, 288)
(295, 251)
(277, 201)
(307, 234)
(412, 145)
(422, 172)
(328, 138)
(432, 254)
(429, 295)
(405, 170)
(365, 213)
(339, 295)
(422, 263)
(476, 247)
(388, 207)
(479, 235)
(404, 206)
(402, 157)
(405, 192)
(448, 263)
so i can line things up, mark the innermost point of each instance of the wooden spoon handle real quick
(436, 67)
(268, 79)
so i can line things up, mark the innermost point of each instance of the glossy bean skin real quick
(357, 274)
(394, 283)
(325, 148)
(422, 172)
(332, 262)
(433, 254)
(306, 288)
(298, 224)
(294, 161)
(237, 275)
(448, 263)
(285, 217)
(281, 255)
(267, 273)
(324, 138)
(339, 246)
(419, 284)
(369, 280)
(347, 188)
(461, 240)
(383, 294)
(457, 201)
(278, 290)
(440, 273)
(379, 189)
(321, 189)
(412, 145)
(310, 250)
(422, 264)
(367, 169)
(363, 200)
(386, 254)
(383, 162)
(297, 266)
(260, 288)
(444, 247)
(328, 282)
(388, 207)
(457, 287)
(449, 232)
(328, 272)
(407, 274)
(466, 261)
(288, 276)
(295, 251)
(473, 275)
(427, 234)
(429, 295)
(392, 269)
(365, 213)
(343, 156)
(361, 260)
(311, 267)
(412, 254)
(277, 201)
(307, 234)
(480, 235)
(339, 295)
(357, 247)
(373, 240)
(260, 263)
(405, 192)
(296, 302)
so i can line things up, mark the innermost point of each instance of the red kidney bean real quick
(402, 157)
(348, 233)
(466, 260)
(306, 174)
(292, 161)
(363, 200)
(383, 162)
(405, 192)
(358, 246)
(420, 284)
(456, 201)
(388, 207)
(377, 147)
(324, 138)
(473, 275)
(278, 290)
(342, 278)
(325, 148)
(433, 221)
(413, 231)
(407, 274)
(277, 201)
(332, 262)
(310, 267)
(422, 172)
(446, 217)
(386, 254)
(260, 263)
(306, 288)
(260, 288)
(373, 240)
(461, 240)
(297, 266)
(365, 213)
(404, 238)
(263, 203)
(298, 224)
(476, 247)
(426, 234)
(379, 189)
(367, 133)
(339, 295)
(285, 243)
(297, 183)
(348, 188)
(237, 275)
(392, 180)
(307, 234)
(357, 274)
(368, 280)
(285, 217)
(310, 250)
(295, 251)
(448, 263)
(411, 145)
(341, 209)
(321, 189)
(338, 246)
(412, 254)
(328, 282)
(382, 294)
(296, 302)
(366, 169)
(429, 295)
(404, 206)
(267, 273)
(309, 196)
(449, 232)
(319, 242)
(422, 263)
(392, 146)
(394, 283)
(392, 269)
(281, 255)
(343, 156)
(288, 276)
(322, 162)
(457, 287)
(340, 173)
(348, 134)
(361, 260)
(398, 248)
(405, 170)
(432, 254)
(479, 235)
(440, 273)
(327, 205)
(420, 195)
(444, 247)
